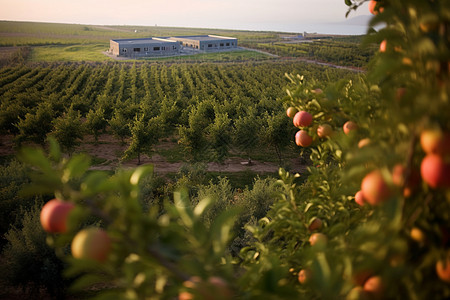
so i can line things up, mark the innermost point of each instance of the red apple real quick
(318, 239)
(302, 119)
(303, 139)
(373, 8)
(435, 141)
(324, 131)
(349, 126)
(359, 198)
(54, 215)
(435, 171)
(374, 188)
(316, 224)
(291, 111)
(374, 285)
(304, 276)
(443, 270)
(91, 243)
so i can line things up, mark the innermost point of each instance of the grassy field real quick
(72, 53)
(51, 42)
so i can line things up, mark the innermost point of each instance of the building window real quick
(228, 44)
(163, 48)
(137, 49)
(124, 50)
(209, 45)
(221, 44)
(174, 47)
(156, 48)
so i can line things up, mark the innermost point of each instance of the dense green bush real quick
(30, 263)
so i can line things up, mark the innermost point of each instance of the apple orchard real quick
(369, 220)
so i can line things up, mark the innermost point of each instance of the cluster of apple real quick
(434, 171)
(91, 243)
(302, 119)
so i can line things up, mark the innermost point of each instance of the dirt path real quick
(109, 150)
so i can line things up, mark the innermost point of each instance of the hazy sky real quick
(230, 14)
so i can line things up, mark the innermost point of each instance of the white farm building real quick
(166, 46)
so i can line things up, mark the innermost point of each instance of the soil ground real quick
(108, 150)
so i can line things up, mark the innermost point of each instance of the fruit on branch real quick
(375, 8)
(291, 111)
(359, 198)
(316, 224)
(349, 126)
(417, 235)
(302, 119)
(54, 215)
(91, 243)
(303, 139)
(374, 285)
(435, 141)
(443, 270)
(435, 171)
(383, 46)
(324, 131)
(304, 276)
(374, 188)
(318, 239)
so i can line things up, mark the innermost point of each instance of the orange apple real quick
(443, 270)
(91, 243)
(302, 119)
(54, 215)
(324, 131)
(417, 235)
(291, 111)
(316, 224)
(435, 141)
(349, 126)
(304, 276)
(303, 139)
(435, 171)
(383, 46)
(374, 188)
(359, 198)
(318, 239)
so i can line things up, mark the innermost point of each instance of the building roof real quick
(204, 38)
(143, 41)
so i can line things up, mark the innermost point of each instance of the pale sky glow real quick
(227, 14)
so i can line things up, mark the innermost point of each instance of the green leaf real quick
(139, 173)
(36, 158)
(76, 167)
(202, 206)
(221, 229)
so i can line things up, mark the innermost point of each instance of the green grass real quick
(72, 53)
